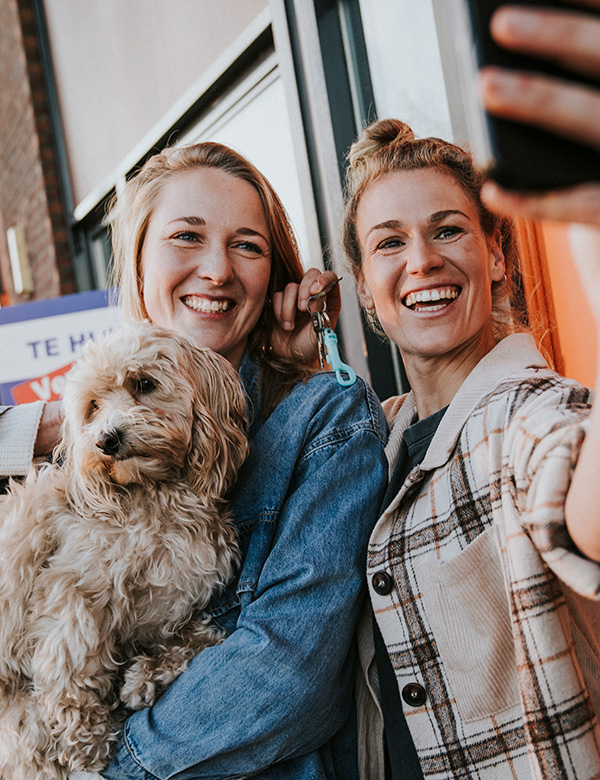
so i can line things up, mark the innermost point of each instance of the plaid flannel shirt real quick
(493, 612)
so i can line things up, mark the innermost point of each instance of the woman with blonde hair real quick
(479, 653)
(474, 559)
(203, 247)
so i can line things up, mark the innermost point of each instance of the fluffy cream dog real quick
(107, 559)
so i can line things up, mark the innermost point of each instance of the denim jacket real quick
(274, 700)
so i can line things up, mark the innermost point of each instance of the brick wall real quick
(29, 181)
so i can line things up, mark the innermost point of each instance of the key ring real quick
(324, 292)
(326, 339)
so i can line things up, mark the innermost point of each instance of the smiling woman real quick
(431, 272)
(472, 559)
(201, 239)
(202, 246)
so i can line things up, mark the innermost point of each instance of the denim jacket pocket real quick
(468, 610)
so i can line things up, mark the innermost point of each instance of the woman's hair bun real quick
(376, 137)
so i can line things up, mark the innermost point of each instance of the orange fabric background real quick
(574, 322)
(561, 319)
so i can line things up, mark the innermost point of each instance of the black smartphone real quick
(520, 156)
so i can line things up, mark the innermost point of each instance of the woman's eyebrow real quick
(246, 231)
(439, 215)
(394, 224)
(389, 224)
(189, 220)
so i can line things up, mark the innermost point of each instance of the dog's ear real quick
(219, 443)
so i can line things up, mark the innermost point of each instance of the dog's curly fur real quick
(107, 558)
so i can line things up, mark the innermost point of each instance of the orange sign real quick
(45, 388)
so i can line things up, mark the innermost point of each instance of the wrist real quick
(49, 429)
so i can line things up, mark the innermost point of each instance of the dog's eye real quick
(92, 407)
(144, 385)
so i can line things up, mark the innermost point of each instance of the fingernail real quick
(287, 326)
(500, 84)
(512, 24)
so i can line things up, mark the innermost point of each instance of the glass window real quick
(405, 63)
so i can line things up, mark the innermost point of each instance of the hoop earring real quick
(372, 318)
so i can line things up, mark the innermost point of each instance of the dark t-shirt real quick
(402, 762)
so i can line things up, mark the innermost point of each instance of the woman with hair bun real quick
(479, 655)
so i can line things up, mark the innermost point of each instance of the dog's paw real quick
(88, 758)
(148, 677)
(139, 687)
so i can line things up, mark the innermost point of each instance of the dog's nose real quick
(109, 442)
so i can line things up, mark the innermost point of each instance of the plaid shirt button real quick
(414, 694)
(382, 583)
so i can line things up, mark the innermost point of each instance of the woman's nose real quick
(421, 257)
(216, 265)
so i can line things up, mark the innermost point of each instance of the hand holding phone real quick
(549, 98)
(541, 86)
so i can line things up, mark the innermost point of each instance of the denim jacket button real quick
(382, 583)
(414, 694)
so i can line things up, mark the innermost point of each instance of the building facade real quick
(92, 88)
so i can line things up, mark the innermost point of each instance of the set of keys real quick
(326, 338)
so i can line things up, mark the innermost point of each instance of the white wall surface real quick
(120, 65)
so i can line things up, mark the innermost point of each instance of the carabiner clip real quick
(327, 340)
(344, 373)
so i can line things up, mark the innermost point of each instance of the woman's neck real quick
(435, 380)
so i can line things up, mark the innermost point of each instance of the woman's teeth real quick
(207, 306)
(430, 298)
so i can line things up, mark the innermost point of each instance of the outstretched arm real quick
(571, 39)
(582, 508)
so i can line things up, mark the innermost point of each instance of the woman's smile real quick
(207, 305)
(431, 299)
